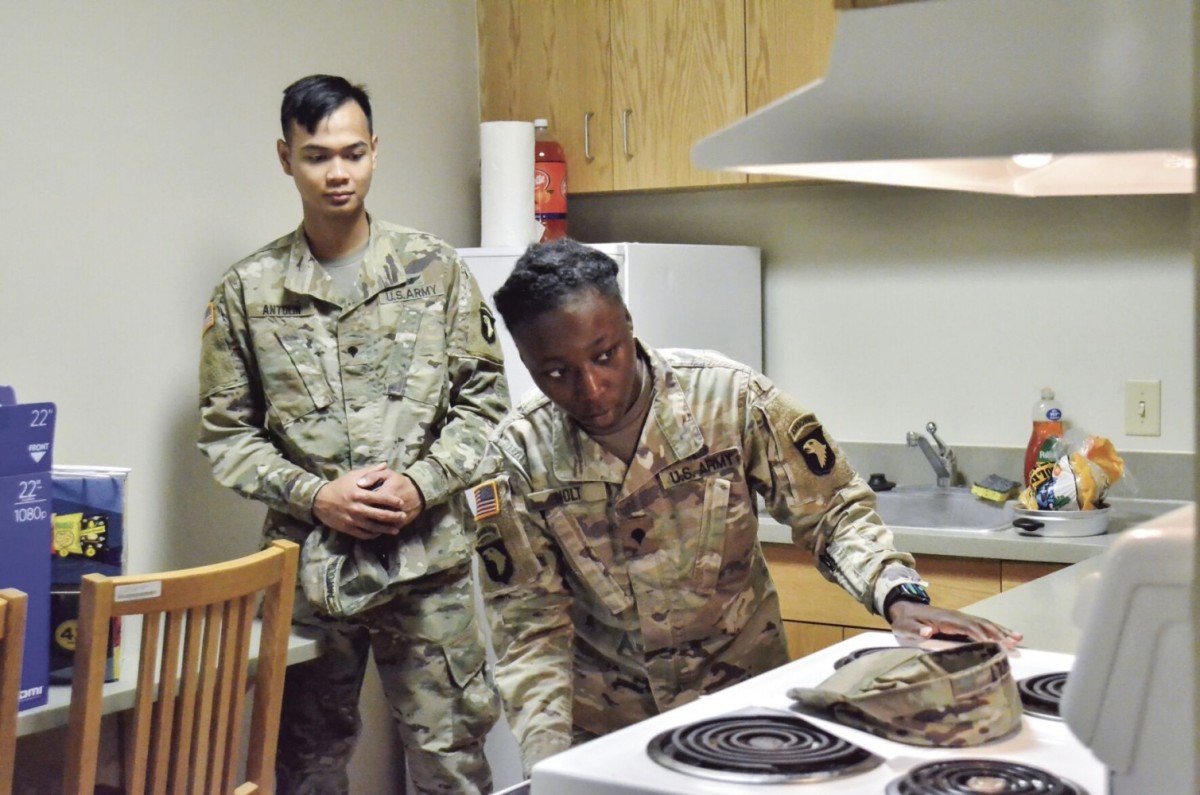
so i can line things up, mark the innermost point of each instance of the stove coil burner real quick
(1042, 694)
(759, 746)
(981, 777)
(854, 655)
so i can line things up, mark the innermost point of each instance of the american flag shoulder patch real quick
(210, 317)
(485, 500)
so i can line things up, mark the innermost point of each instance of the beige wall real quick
(885, 307)
(138, 149)
(139, 141)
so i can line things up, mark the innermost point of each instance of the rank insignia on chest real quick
(485, 500)
(809, 439)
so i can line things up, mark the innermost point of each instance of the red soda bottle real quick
(549, 182)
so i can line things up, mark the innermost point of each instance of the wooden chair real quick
(12, 647)
(192, 676)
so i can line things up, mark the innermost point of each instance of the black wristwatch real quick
(904, 592)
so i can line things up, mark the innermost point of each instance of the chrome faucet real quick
(943, 461)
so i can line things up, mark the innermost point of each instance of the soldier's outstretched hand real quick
(913, 622)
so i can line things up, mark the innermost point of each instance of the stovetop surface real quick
(619, 764)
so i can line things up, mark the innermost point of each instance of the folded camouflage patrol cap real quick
(952, 698)
(342, 576)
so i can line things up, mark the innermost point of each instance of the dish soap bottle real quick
(1047, 425)
(549, 183)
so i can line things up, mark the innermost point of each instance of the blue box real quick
(88, 538)
(26, 457)
(64, 629)
(88, 521)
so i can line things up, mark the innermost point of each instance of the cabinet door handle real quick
(587, 136)
(625, 114)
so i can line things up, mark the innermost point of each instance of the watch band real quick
(904, 592)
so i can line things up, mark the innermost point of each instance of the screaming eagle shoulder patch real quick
(809, 440)
(487, 325)
(497, 561)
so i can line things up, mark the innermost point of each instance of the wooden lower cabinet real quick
(818, 613)
(1019, 572)
(804, 638)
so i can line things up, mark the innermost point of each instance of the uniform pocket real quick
(584, 563)
(417, 369)
(465, 655)
(403, 351)
(293, 378)
(710, 544)
(416, 382)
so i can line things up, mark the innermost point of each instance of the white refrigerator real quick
(680, 296)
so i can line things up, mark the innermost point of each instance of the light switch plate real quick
(1143, 408)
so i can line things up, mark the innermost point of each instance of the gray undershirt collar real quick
(344, 271)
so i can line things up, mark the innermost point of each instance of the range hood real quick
(1021, 97)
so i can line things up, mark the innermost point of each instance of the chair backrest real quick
(12, 647)
(192, 674)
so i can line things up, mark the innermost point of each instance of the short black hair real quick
(313, 98)
(548, 274)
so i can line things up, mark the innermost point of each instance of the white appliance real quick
(1132, 694)
(680, 296)
(1023, 97)
(619, 764)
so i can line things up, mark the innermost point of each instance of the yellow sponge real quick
(995, 488)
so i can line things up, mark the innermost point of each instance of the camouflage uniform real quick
(616, 592)
(298, 386)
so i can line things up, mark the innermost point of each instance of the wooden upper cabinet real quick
(678, 71)
(629, 86)
(788, 43)
(550, 59)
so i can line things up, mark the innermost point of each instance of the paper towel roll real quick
(506, 184)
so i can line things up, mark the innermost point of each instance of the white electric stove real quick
(620, 764)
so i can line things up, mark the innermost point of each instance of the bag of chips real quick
(1077, 481)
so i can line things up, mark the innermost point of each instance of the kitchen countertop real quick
(1042, 609)
(1006, 544)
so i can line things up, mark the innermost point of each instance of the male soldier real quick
(622, 570)
(349, 377)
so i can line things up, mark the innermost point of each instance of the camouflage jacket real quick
(618, 592)
(299, 385)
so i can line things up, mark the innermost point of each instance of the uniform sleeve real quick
(808, 485)
(478, 393)
(528, 609)
(233, 432)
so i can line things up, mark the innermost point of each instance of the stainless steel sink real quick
(941, 508)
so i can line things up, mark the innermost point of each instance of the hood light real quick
(1032, 161)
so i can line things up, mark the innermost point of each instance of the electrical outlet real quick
(1143, 408)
